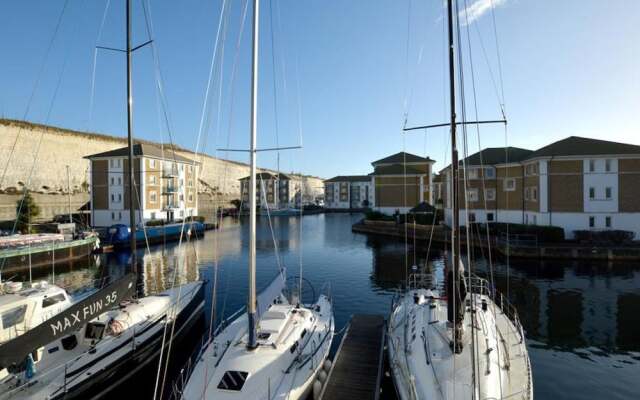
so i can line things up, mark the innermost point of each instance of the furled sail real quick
(70, 320)
(271, 292)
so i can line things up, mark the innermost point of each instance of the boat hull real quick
(47, 254)
(118, 235)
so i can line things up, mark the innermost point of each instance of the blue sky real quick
(347, 73)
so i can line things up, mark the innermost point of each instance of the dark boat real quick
(120, 236)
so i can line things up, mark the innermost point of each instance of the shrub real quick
(26, 211)
(612, 237)
(378, 216)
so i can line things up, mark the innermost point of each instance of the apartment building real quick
(575, 183)
(348, 192)
(281, 191)
(400, 182)
(165, 185)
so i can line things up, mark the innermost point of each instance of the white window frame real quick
(608, 221)
(592, 165)
(592, 221)
(152, 163)
(526, 193)
(608, 193)
(153, 196)
(472, 173)
(607, 165)
(489, 173)
(492, 219)
(473, 195)
(491, 197)
(534, 193)
(506, 187)
(592, 193)
(119, 181)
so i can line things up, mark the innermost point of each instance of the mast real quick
(130, 168)
(452, 299)
(252, 303)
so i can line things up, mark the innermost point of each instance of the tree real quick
(26, 211)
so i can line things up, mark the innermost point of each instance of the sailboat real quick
(463, 341)
(276, 348)
(94, 345)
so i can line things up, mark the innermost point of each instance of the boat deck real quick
(357, 368)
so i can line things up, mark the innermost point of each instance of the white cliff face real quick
(19, 142)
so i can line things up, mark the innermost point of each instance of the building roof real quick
(400, 158)
(580, 146)
(267, 176)
(398, 169)
(495, 155)
(144, 150)
(349, 178)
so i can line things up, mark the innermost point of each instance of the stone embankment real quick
(423, 234)
(44, 171)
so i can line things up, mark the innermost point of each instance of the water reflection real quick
(582, 320)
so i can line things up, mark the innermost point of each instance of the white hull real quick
(94, 366)
(284, 364)
(424, 367)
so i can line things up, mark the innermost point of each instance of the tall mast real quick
(454, 302)
(251, 306)
(130, 168)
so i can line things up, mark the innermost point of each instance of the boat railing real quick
(482, 286)
(422, 280)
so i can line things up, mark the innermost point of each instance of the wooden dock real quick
(357, 366)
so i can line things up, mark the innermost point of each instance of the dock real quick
(357, 367)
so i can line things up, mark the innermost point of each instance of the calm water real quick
(582, 320)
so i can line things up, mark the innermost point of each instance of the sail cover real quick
(271, 292)
(70, 320)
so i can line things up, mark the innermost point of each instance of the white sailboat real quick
(462, 341)
(275, 349)
(93, 345)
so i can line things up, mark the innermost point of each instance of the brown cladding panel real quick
(100, 200)
(629, 192)
(136, 172)
(629, 165)
(565, 167)
(566, 193)
(100, 172)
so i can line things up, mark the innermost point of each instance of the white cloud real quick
(478, 9)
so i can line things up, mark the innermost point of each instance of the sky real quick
(339, 78)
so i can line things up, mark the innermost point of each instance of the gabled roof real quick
(267, 176)
(398, 169)
(580, 146)
(145, 150)
(400, 158)
(349, 178)
(495, 156)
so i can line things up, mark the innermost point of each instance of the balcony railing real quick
(169, 172)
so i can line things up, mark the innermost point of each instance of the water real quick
(582, 320)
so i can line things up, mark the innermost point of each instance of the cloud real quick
(478, 9)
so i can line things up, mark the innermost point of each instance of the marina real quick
(446, 232)
(579, 318)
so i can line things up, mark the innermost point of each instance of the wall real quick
(61, 147)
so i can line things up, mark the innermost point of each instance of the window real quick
(113, 198)
(181, 167)
(509, 184)
(472, 173)
(152, 180)
(534, 194)
(592, 165)
(181, 182)
(119, 180)
(152, 163)
(607, 192)
(181, 197)
(233, 380)
(489, 217)
(607, 222)
(153, 215)
(190, 168)
(531, 169)
(119, 215)
(119, 197)
(14, 316)
(535, 219)
(113, 181)
(191, 184)
(51, 300)
(526, 193)
(153, 196)
(607, 165)
(181, 213)
(472, 195)
(490, 173)
(113, 216)
(190, 197)
(526, 218)
(472, 217)
(592, 222)
(592, 193)
(490, 194)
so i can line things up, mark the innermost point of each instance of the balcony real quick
(170, 172)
